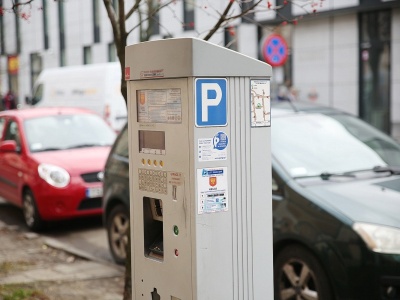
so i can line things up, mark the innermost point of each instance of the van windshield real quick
(38, 95)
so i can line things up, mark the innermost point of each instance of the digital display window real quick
(152, 142)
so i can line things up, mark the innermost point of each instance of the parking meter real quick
(200, 172)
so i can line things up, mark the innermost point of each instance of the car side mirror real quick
(8, 146)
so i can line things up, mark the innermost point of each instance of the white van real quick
(96, 87)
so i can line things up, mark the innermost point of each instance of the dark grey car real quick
(116, 197)
(336, 205)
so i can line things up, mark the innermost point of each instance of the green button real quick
(176, 230)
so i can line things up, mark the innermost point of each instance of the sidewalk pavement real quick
(57, 270)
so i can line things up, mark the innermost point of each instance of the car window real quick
(311, 144)
(2, 123)
(379, 142)
(12, 133)
(121, 146)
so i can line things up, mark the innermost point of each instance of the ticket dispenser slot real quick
(153, 228)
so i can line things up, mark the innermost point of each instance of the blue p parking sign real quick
(211, 102)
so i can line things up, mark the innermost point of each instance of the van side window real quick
(37, 97)
(121, 147)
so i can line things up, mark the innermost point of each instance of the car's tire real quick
(290, 283)
(117, 232)
(31, 213)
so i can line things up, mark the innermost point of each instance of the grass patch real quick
(5, 267)
(8, 266)
(18, 292)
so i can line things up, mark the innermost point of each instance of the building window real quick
(375, 68)
(61, 29)
(153, 21)
(285, 11)
(17, 29)
(45, 25)
(87, 55)
(36, 67)
(112, 52)
(188, 14)
(248, 17)
(96, 21)
(2, 48)
(154, 17)
(230, 36)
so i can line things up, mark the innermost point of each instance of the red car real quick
(52, 161)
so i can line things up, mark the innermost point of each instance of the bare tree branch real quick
(133, 9)
(15, 5)
(219, 22)
(248, 10)
(113, 20)
(159, 7)
(224, 17)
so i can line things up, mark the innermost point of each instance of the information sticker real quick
(260, 103)
(213, 149)
(159, 106)
(212, 188)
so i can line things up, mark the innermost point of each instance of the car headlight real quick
(379, 238)
(53, 175)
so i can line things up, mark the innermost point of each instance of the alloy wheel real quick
(297, 281)
(29, 210)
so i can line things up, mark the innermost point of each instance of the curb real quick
(77, 252)
(91, 268)
(63, 272)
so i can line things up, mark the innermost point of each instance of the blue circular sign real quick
(275, 50)
(220, 141)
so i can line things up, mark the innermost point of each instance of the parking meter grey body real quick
(200, 172)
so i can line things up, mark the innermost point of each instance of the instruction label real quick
(260, 103)
(175, 178)
(212, 187)
(212, 149)
(159, 106)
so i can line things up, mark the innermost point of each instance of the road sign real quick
(275, 50)
(211, 107)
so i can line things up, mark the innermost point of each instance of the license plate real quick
(94, 192)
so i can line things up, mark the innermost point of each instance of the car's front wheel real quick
(117, 231)
(299, 275)
(31, 213)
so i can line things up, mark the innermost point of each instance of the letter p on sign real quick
(211, 102)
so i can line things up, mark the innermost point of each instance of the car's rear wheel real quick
(117, 231)
(31, 213)
(299, 275)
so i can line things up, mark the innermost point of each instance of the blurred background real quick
(341, 53)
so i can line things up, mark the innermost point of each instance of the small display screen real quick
(152, 142)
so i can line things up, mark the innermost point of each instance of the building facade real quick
(342, 53)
